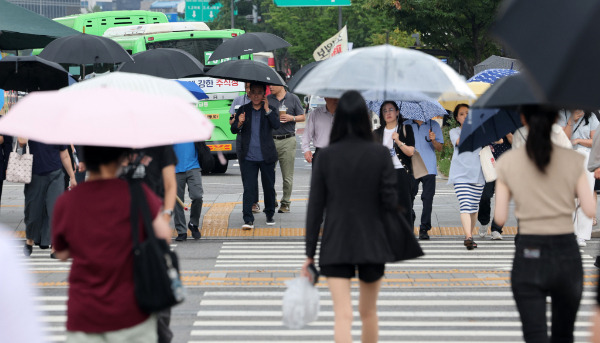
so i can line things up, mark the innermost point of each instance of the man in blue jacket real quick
(255, 122)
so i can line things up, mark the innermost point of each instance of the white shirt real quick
(389, 143)
(558, 137)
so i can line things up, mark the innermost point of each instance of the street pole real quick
(232, 19)
(339, 18)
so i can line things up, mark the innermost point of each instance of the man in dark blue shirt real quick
(255, 123)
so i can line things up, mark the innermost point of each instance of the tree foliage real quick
(305, 28)
(457, 26)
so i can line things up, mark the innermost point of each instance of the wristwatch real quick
(169, 212)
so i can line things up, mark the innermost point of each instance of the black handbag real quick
(156, 276)
(403, 244)
(207, 161)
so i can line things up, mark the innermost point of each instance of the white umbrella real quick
(147, 84)
(106, 117)
(382, 69)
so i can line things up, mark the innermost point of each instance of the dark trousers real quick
(163, 320)
(405, 194)
(428, 182)
(193, 179)
(249, 171)
(40, 197)
(483, 216)
(547, 266)
(315, 156)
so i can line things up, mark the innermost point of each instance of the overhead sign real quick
(201, 11)
(308, 3)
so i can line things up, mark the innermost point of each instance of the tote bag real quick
(19, 168)
(488, 164)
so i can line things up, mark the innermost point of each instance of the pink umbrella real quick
(106, 117)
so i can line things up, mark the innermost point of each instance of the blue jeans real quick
(547, 266)
(249, 171)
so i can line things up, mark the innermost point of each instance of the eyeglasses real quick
(387, 110)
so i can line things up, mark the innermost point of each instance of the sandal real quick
(470, 244)
(595, 222)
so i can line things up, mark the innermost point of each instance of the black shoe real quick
(597, 263)
(270, 221)
(195, 231)
(52, 255)
(44, 246)
(27, 249)
(423, 235)
(181, 237)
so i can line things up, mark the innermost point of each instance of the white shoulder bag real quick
(19, 168)
(488, 164)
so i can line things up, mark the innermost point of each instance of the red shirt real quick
(93, 222)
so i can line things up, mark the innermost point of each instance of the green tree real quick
(457, 26)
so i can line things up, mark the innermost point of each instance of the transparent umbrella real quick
(382, 69)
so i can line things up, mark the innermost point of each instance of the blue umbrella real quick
(194, 89)
(491, 75)
(416, 110)
(484, 126)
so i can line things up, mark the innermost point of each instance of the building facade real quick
(51, 8)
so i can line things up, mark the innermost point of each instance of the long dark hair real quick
(351, 117)
(382, 117)
(539, 142)
(455, 113)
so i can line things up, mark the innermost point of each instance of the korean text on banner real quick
(333, 46)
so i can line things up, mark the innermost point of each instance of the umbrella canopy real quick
(415, 110)
(246, 71)
(193, 88)
(564, 58)
(300, 74)
(21, 28)
(484, 126)
(32, 73)
(491, 75)
(509, 92)
(248, 43)
(164, 62)
(85, 49)
(384, 69)
(478, 89)
(106, 117)
(149, 85)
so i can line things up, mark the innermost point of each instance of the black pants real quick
(405, 194)
(483, 216)
(547, 265)
(314, 156)
(428, 182)
(163, 320)
(249, 171)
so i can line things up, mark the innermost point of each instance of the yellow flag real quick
(333, 46)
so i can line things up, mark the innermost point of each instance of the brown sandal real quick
(470, 244)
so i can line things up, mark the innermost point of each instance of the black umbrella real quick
(21, 28)
(32, 73)
(510, 91)
(299, 75)
(246, 71)
(248, 43)
(484, 126)
(85, 49)
(558, 46)
(167, 63)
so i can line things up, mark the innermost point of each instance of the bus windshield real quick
(200, 48)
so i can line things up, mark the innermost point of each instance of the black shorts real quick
(597, 185)
(366, 272)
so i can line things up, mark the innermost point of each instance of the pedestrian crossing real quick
(412, 316)
(439, 254)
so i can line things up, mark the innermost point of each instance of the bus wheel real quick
(220, 168)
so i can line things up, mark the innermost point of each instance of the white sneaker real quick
(483, 229)
(581, 242)
(496, 236)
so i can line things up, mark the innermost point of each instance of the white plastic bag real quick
(300, 303)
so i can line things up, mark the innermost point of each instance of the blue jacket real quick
(267, 125)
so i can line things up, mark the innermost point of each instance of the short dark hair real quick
(351, 117)
(457, 108)
(94, 156)
(259, 84)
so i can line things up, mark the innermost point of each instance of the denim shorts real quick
(366, 272)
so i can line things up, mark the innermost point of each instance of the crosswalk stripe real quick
(395, 333)
(382, 294)
(436, 302)
(409, 314)
(382, 323)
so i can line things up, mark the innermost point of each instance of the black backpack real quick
(206, 159)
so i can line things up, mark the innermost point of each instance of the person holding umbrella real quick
(400, 141)
(467, 177)
(543, 180)
(580, 127)
(255, 122)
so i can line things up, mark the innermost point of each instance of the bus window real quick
(199, 48)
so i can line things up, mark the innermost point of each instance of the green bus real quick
(197, 39)
(98, 22)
